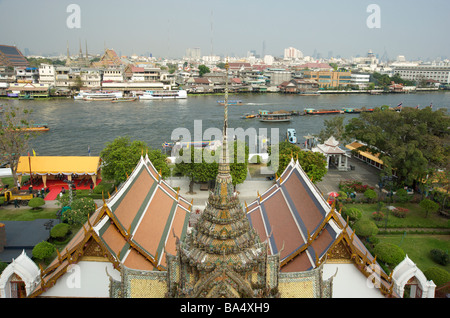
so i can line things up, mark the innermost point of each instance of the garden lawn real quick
(25, 214)
(415, 218)
(418, 247)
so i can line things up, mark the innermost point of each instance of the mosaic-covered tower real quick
(223, 256)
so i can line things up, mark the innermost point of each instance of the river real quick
(76, 126)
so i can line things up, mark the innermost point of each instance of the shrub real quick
(428, 206)
(342, 196)
(371, 195)
(43, 250)
(353, 214)
(378, 215)
(400, 212)
(36, 203)
(438, 275)
(365, 228)
(60, 230)
(401, 196)
(3, 265)
(389, 253)
(80, 210)
(439, 256)
(105, 187)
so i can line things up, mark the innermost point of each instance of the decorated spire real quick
(224, 168)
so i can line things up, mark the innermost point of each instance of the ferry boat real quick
(312, 111)
(308, 93)
(230, 102)
(277, 116)
(90, 96)
(163, 94)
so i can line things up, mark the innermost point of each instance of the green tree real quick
(428, 206)
(412, 142)
(121, 156)
(202, 70)
(313, 163)
(14, 141)
(333, 127)
(370, 195)
(202, 165)
(401, 195)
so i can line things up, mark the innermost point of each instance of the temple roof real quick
(135, 227)
(288, 214)
(330, 146)
(298, 223)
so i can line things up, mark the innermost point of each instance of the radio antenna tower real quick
(212, 47)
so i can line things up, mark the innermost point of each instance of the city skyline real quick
(415, 29)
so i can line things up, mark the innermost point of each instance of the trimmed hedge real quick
(60, 230)
(36, 203)
(389, 253)
(353, 214)
(43, 250)
(439, 256)
(365, 228)
(438, 275)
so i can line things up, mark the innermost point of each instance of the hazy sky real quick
(166, 28)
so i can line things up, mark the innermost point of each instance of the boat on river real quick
(125, 99)
(98, 96)
(26, 97)
(274, 117)
(248, 116)
(34, 128)
(347, 110)
(164, 94)
(312, 111)
(230, 102)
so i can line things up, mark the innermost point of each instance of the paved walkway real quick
(363, 172)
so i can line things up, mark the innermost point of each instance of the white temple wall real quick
(84, 279)
(349, 282)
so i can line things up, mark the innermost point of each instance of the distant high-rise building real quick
(193, 53)
(292, 53)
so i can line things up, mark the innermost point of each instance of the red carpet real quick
(55, 187)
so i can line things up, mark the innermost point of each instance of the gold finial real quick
(59, 255)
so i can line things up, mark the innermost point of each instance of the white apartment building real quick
(193, 53)
(361, 80)
(440, 74)
(113, 75)
(47, 74)
(292, 53)
(91, 77)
